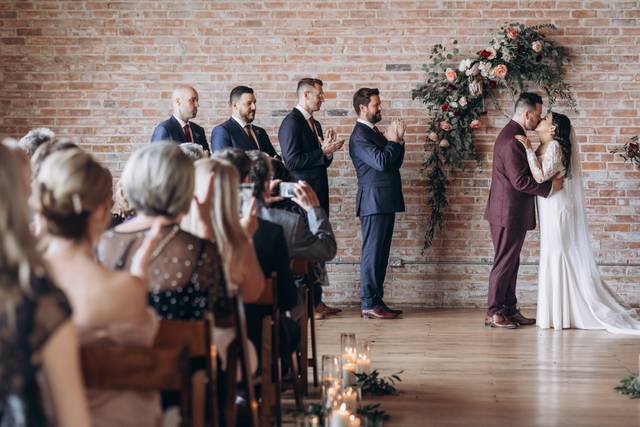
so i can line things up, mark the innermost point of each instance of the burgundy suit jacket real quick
(511, 201)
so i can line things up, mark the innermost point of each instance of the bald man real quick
(179, 127)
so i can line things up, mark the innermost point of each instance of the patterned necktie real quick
(187, 133)
(247, 130)
(375, 128)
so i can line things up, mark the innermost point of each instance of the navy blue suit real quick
(170, 130)
(303, 156)
(379, 197)
(231, 134)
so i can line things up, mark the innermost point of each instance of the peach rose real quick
(512, 33)
(475, 124)
(536, 46)
(451, 75)
(500, 71)
(445, 126)
(433, 136)
(444, 143)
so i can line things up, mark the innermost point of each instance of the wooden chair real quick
(196, 335)
(307, 325)
(111, 366)
(237, 354)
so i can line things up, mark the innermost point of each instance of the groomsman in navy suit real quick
(377, 157)
(238, 131)
(179, 127)
(306, 152)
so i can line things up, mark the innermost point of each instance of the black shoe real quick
(386, 307)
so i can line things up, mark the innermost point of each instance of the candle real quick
(348, 374)
(354, 421)
(363, 364)
(330, 391)
(349, 355)
(350, 399)
(340, 417)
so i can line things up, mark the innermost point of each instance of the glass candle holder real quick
(348, 348)
(363, 361)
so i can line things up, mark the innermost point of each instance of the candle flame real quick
(343, 407)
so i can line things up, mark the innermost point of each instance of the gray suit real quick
(315, 242)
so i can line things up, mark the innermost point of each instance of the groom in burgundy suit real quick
(511, 211)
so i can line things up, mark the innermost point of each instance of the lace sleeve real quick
(550, 165)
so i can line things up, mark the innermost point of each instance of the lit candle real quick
(354, 421)
(350, 399)
(349, 355)
(340, 417)
(330, 392)
(363, 364)
(348, 374)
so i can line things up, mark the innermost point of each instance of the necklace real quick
(164, 242)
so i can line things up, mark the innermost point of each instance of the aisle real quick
(456, 372)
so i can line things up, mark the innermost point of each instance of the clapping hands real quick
(331, 143)
(395, 131)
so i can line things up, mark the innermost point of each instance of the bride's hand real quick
(524, 141)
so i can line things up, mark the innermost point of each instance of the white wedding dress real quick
(571, 293)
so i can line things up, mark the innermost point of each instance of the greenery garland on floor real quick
(455, 98)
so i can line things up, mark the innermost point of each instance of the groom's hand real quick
(556, 183)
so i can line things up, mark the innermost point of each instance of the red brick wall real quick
(103, 71)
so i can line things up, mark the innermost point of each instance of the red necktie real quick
(187, 133)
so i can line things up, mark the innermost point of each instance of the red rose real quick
(485, 53)
(456, 113)
(444, 107)
(492, 84)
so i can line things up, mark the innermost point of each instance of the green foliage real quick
(376, 385)
(375, 415)
(630, 386)
(455, 97)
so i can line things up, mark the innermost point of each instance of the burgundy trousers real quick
(507, 244)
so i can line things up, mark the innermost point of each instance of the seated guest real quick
(238, 131)
(216, 190)
(317, 275)
(271, 249)
(179, 127)
(73, 195)
(186, 272)
(193, 151)
(35, 138)
(38, 342)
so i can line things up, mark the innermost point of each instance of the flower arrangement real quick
(630, 151)
(455, 97)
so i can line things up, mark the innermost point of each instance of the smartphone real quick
(287, 190)
(244, 198)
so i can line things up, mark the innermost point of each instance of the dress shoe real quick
(377, 313)
(499, 321)
(518, 318)
(323, 308)
(386, 307)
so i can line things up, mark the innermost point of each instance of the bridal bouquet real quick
(455, 90)
(630, 151)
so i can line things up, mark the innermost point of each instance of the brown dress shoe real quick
(386, 307)
(323, 308)
(521, 320)
(499, 321)
(377, 313)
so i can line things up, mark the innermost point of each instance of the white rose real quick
(462, 101)
(485, 69)
(506, 54)
(473, 71)
(464, 65)
(492, 52)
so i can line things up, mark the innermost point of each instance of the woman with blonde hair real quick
(36, 333)
(73, 194)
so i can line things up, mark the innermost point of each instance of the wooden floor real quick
(457, 373)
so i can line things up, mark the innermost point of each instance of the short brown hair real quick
(308, 82)
(363, 97)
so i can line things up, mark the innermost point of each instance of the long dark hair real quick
(562, 134)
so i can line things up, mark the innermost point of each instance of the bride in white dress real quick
(571, 293)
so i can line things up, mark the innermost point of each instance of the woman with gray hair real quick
(35, 138)
(186, 272)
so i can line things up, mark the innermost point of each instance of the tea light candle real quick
(363, 364)
(354, 421)
(348, 374)
(340, 417)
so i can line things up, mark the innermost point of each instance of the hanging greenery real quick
(455, 98)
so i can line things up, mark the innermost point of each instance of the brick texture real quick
(102, 71)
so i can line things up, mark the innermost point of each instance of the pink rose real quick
(512, 33)
(536, 46)
(445, 126)
(433, 136)
(451, 75)
(475, 124)
(462, 101)
(500, 71)
(444, 143)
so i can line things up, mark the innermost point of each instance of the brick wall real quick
(103, 71)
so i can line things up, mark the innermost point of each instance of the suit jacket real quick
(511, 201)
(271, 250)
(302, 154)
(170, 130)
(231, 134)
(377, 162)
(313, 242)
